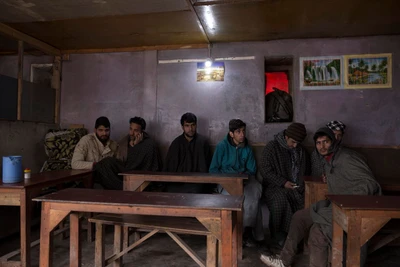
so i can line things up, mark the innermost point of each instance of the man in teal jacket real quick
(234, 155)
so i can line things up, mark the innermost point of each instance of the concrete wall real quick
(122, 85)
(25, 139)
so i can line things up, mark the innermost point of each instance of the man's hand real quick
(323, 177)
(136, 139)
(290, 185)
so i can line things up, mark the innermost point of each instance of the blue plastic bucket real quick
(12, 169)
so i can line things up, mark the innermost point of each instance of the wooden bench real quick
(169, 225)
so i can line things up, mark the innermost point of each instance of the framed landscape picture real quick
(213, 73)
(321, 73)
(368, 71)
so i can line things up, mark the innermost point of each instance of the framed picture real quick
(214, 72)
(321, 73)
(368, 71)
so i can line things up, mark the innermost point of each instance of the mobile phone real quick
(296, 186)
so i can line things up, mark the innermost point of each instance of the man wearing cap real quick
(284, 162)
(317, 162)
(95, 146)
(234, 155)
(347, 174)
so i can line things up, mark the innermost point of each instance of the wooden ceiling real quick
(76, 26)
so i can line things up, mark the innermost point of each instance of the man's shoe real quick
(249, 242)
(272, 261)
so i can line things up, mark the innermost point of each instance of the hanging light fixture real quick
(209, 60)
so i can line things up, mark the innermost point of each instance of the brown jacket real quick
(90, 150)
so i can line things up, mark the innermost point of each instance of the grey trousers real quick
(319, 245)
(252, 216)
(300, 226)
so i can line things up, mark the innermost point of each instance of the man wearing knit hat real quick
(347, 174)
(284, 162)
(317, 162)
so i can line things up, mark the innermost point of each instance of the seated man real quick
(284, 163)
(347, 173)
(189, 152)
(95, 146)
(234, 155)
(137, 151)
(317, 162)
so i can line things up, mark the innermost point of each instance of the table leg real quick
(99, 260)
(353, 257)
(226, 239)
(75, 246)
(25, 228)
(337, 245)
(235, 188)
(118, 246)
(235, 236)
(45, 236)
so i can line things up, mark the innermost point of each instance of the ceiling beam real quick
(133, 49)
(201, 26)
(42, 46)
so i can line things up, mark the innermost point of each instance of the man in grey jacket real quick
(317, 165)
(347, 173)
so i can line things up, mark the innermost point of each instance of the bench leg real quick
(118, 243)
(136, 236)
(90, 228)
(125, 241)
(99, 260)
(211, 251)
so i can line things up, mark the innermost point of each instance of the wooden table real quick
(316, 189)
(232, 183)
(21, 194)
(361, 217)
(216, 212)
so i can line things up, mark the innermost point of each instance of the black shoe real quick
(249, 242)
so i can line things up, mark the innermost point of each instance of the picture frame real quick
(213, 73)
(368, 71)
(321, 73)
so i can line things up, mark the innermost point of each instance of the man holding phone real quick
(284, 161)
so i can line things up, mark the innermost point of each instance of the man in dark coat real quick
(137, 151)
(347, 173)
(284, 162)
(189, 152)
